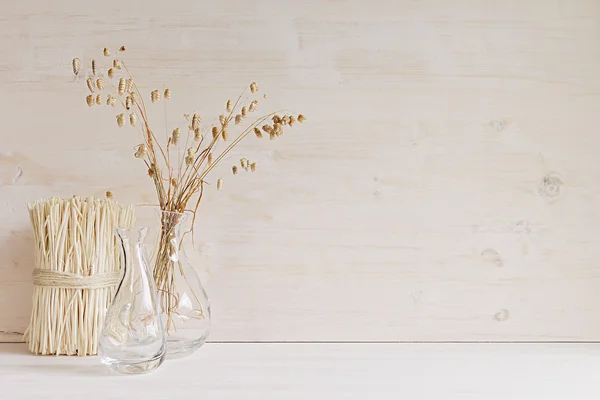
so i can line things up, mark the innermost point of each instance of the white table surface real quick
(320, 371)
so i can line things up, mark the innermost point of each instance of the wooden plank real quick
(342, 371)
(416, 203)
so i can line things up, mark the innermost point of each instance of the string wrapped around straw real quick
(76, 271)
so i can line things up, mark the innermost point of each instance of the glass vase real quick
(132, 340)
(182, 298)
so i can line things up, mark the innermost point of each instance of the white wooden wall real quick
(446, 185)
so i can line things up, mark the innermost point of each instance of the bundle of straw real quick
(77, 268)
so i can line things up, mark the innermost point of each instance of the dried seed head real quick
(276, 119)
(129, 85)
(89, 99)
(122, 48)
(76, 64)
(244, 163)
(99, 99)
(228, 106)
(267, 128)
(258, 133)
(141, 151)
(106, 52)
(210, 158)
(128, 102)
(301, 118)
(155, 96)
(292, 120)
(175, 136)
(189, 160)
(195, 121)
(116, 64)
(111, 73)
(238, 119)
(265, 96)
(132, 95)
(285, 120)
(234, 169)
(244, 111)
(219, 183)
(121, 87)
(174, 182)
(253, 105)
(90, 84)
(278, 129)
(100, 83)
(253, 87)
(111, 101)
(215, 132)
(272, 135)
(120, 119)
(253, 167)
(94, 69)
(222, 119)
(151, 171)
(191, 151)
(167, 94)
(132, 119)
(109, 194)
(197, 135)
(224, 134)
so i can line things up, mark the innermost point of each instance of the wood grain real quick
(309, 370)
(445, 185)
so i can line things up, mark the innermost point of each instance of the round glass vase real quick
(182, 298)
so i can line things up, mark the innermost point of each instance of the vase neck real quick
(132, 250)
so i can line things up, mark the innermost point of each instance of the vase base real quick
(129, 368)
(179, 348)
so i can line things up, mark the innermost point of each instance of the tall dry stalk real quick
(179, 167)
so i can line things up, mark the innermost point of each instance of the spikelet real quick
(111, 73)
(175, 136)
(129, 85)
(228, 106)
(276, 119)
(189, 160)
(234, 169)
(219, 183)
(132, 119)
(253, 105)
(195, 121)
(210, 158)
(222, 119)
(122, 48)
(106, 52)
(272, 135)
(285, 120)
(155, 96)
(301, 118)
(174, 182)
(141, 151)
(100, 83)
(120, 120)
(197, 135)
(292, 120)
(109, 194)
(258, 133)
(76, 64)
(244, 163)
(116, 64)
(121, 87)
(132, 95)
(128, 102)
(90, 84)
(278, 129)
(265, 96)
(253, 167)
(238, 119)
(89, 99)
(253, 87)
(99, 99)
(186, 116)
(151, 170)
(167, 94)
(267, 128)
(111, 101)
(215, 132)
(244, 112)
(94, 69)
(224, 134)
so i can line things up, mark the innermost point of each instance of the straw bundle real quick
(77, 262)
